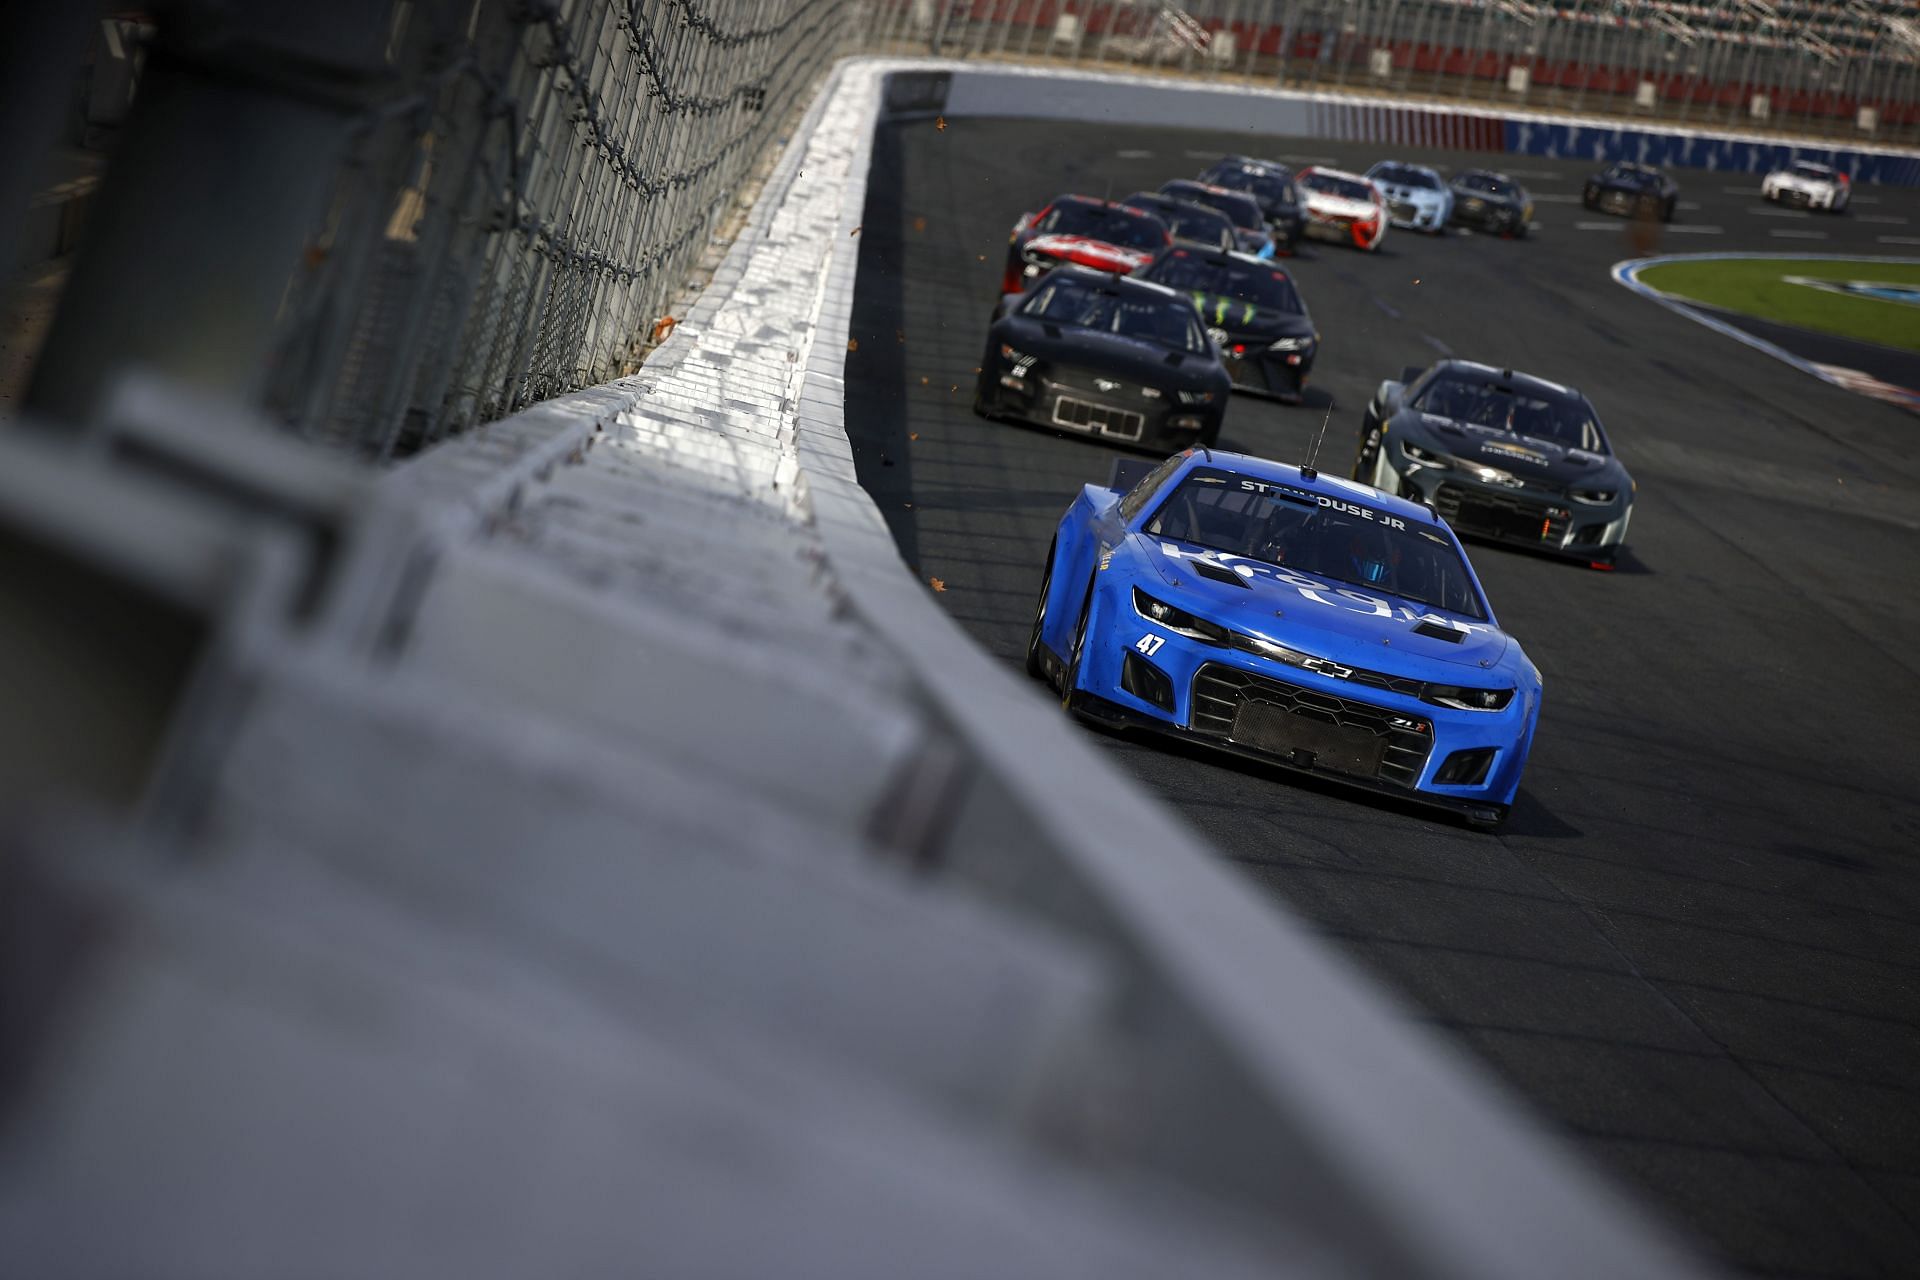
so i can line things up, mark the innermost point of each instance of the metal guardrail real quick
(1838, 69)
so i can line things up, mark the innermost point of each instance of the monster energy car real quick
(1272, 612)
(1502, 456)
(1489, 201)
(1253, 313)
(1416, 198)
(1105, 356)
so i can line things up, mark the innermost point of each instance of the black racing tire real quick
(1070, 678)
(1036, 667)
(1666, 210)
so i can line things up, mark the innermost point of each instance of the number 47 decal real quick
(1149, 645)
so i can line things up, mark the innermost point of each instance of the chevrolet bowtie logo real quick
(1326, 668)
(1104, 385)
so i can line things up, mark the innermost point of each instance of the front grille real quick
(1084, 415)
(1500, 515)
(1403, 685)
(1284, 720)
(1403, 211)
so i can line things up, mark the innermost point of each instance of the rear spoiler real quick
(1127, 472)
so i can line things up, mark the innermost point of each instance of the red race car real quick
(1088, 232)
(1343, 207)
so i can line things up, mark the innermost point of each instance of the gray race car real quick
(1501, 456)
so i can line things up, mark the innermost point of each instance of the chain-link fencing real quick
(1833, 69)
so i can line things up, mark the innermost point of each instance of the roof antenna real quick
(1306, 468)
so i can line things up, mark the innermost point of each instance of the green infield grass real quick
(1759, 287)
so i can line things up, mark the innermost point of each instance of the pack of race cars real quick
(1328, 625)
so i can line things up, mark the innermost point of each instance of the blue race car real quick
(1295, 618)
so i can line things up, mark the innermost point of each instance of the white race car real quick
(1809, 186)
(1416, 197)
(1343, 206)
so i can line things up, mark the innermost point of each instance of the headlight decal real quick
(1178, 621)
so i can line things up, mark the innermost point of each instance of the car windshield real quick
(1264, 186)
(1630, 175)
(1486, 182)
(1401, 175)
(1345, 188)
(1563, 417)
(1240, 210)
(1132, 312)
(1260, 285)
(1805, 170)
(1347, 542)
(1186, 221)
(1111, 224)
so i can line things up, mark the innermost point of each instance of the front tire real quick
(1070, 678)
(1036, 646)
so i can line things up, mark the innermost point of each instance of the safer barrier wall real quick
(1011, 91)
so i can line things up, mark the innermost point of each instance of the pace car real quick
(1194, 223)
(1106, 356)
(1079, 229)
(1270, 183)
(1416, 198)
(1629, 188)
(1489, 201)
(1502, 456)
(1809, 186)
(1253, 313)
(1298, 619)
(1242, 210)
(1344, 207)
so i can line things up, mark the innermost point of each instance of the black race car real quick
(1271, 184)
(1629, 188)
(1079, 229)
(1106, 356)
(1489, 201)
(1252, 312)
(1241, 209)
(1193, 223)
(1501, 456)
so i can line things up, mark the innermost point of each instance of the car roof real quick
(1293, 476)
(1323, 171)
(1159, 199)
(1512, 377)
(1107, 280)
(1401, 164)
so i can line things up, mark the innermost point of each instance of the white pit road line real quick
(1898, 239)
(1784, 234)
(1882, 219)
(1779, 213)
(1136, 155)
(1688, 229)
(1542, 197)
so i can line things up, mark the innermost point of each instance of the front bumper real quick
(1487, 215)
(1417, 216)
(1360, 235)
(1228, 700)
(1801, 198)
(1069, 399)
(1539, 519)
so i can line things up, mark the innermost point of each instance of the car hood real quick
(1326, 619)
(1088, 252)
(1416, 195)
(1132, 359)
(1801, 181)
(1218, 311)
(1531, 458)
(1464, 194)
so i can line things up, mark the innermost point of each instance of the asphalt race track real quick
(1694, 944)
